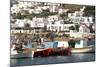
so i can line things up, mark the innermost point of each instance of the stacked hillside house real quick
(36, 17)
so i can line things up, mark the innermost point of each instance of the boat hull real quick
(22, 55)
(61, 51)
(82, 50)
(27, 53)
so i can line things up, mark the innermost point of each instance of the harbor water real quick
(83, 57)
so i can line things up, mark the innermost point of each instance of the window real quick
(20, 31)
(53, 23)
(65, 27)
(78, 42)
(88, 20)
(26, 25)
(59, 28)
(80, 30)
(85, 30)
(48, 28)
(72, 14)
(55, 27)
(52, 27)
(29, 30)
(81, 20)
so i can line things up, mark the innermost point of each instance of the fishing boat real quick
(27, 53)
(54, 50)
(21, 55)
(62, 51)
(83, 50)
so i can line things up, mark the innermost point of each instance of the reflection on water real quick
(53, 59)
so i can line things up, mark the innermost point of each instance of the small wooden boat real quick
(26, 53)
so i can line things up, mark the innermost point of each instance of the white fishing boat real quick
(82, 50)
(27, 53)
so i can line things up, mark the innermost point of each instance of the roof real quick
(72, 8)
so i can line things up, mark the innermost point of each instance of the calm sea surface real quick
(86, 57)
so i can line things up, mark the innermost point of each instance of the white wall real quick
(59, 26)
(62, 44)
(82, 44)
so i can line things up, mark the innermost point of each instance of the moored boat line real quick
(62, 51)
(53, 52)
(51, 48)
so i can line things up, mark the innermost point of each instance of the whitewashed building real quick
(36, 24)
(77, 17)
(61, 11)
(84, 31)
(53, 18)
(58, 26)
(15, 9)
(79, 20)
